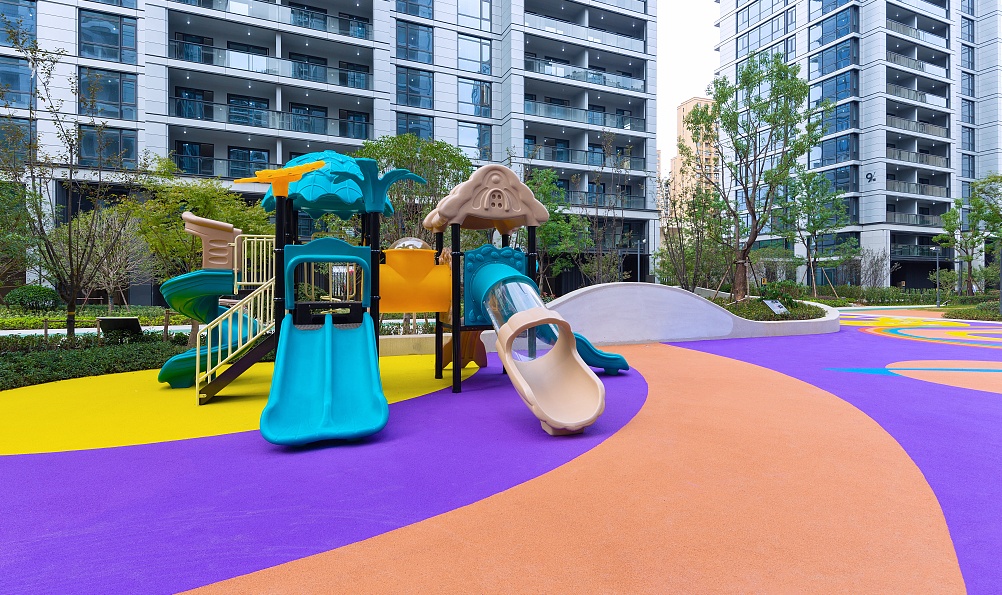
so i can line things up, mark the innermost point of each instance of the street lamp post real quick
(936, 250)
(639, 268)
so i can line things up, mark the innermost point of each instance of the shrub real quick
(756, 310)
(35, 298)
(975, 313)
(37, 367)
(786, 292)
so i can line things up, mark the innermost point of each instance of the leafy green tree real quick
(693, 235)
(16, 241)
(759, 126)
(967, 238)
(986, 207)
(808, 211)
(561, 240)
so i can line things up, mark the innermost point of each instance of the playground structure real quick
(326, 382)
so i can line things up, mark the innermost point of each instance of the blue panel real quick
(474, 259)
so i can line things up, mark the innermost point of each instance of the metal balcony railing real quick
(914, 33)
(914, 219)
(285, 15)
(262, 118)
(581, 198)
(207, 54)
(923, 189)
(920, 158)
(914, 64)
(928, 7)
(579, 157)
(924, 252)
(211, 167)
(634, 5)
(574, 114)
(920, 127)
(551, 25)
(584, 75)
(913, 95)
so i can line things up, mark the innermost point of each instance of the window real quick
(844, 179)
(193, 103)
(308, 118)
(967, 29)
(353, 75)
(415, 88)
(23, 12)
(758, 10)
(353, 124)
(108, 147)
(107, 94)
(834, 27)
(766, 33)
(246, 48)
(354, 25)
(414, 42)
(244, 161)
(122, 3)
(965, 189)
(309, 68)
(967, 84)
(475, 140)
(418, 8)
(835, 150)
(474, 98)
(16, 83)
(475, 14)
(107, 37)
(967, 7)
(967, 138)
(835, 89)
(967, 166)
(311, 17)
(194, 158)
(967, 57)
(248, 111)
(841, 118)
(474, 54)
(193, 48)
(19, 133)
(419, 126)
(967, 111)
(834, 58)
(823, 7)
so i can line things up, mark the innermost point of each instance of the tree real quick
(875, 267)
(967, 238)
(561, 240)
(128, 259)
(759, 127)
(692, 232)
(986, 207)
(16, 241)
(603, 262)
(808, 211)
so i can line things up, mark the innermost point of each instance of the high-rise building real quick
(705, 153)
(231, 86)
(917, 93)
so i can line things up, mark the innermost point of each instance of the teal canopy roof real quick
(335, 188)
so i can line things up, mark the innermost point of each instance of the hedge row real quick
(34, 343)
(974, 314)
(756, 310)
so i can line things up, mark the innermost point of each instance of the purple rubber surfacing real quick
(165, 517)
(954, 435)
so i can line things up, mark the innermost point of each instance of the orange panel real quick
(410, 281)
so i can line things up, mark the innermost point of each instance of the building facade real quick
(706, 153)
(231, 86)
(916, 89)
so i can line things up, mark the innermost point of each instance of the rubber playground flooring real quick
(861, 461)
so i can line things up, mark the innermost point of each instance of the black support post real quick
(439, 245)
(280, 212)
(457, 316)
(530, 272)
(374, 248)
(505, 240)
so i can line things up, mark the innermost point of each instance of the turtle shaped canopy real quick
(335, 188)
(492, 197)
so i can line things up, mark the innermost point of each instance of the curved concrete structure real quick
(620, 313)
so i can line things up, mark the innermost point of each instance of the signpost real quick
(776, 306)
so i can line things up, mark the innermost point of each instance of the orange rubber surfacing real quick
(731, 478)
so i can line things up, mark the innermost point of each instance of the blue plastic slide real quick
(611, 363)
(326, 384)
(196, 295)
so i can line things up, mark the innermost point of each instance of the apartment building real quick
(916, 89)
(231, 86)
(682, 178)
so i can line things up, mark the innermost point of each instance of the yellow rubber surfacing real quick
(133, 408)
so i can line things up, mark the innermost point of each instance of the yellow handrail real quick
(254, 264)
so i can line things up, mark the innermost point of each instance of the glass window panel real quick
(420, 126)
(414, 42)
(474, 98)
(418, 8)
(415, 88)
(107, 37)
(474, 54)
(16, 83)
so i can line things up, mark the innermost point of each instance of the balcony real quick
(288, 16)
(580, 32)
(919, 127)
(920, 158)
(920, 96)
(584, 75)
(920, 252)
(579, 157)
(574, 114)
(914, 33)
(923, 189)
(262, 118)
(924, 6)
(211, 55)
(580, 198)
(918, 65)
(634, 5)
(914, 219)
(218, 168)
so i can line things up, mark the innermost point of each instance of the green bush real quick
(975, 313)
(16, 318)
(992, 306)
(971, 300)
(33, 298)
(786, 292)
(756, 310)
(34, 343)
(37, 367)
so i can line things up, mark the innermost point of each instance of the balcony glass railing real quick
(924, 6)
(574, 114)
(923, 189)
(207, 54)
(584, 75)
(914, 219)
(914, 64)
(580, 198)
(634, 5)
(913, 95)
(920, 158)
(288, 16)
(551, 25)
(219, 168)
(579, 157)
(262, 118)
(915, 251)
(920, 127)
(914, 33)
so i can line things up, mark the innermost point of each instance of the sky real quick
(686, 61)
